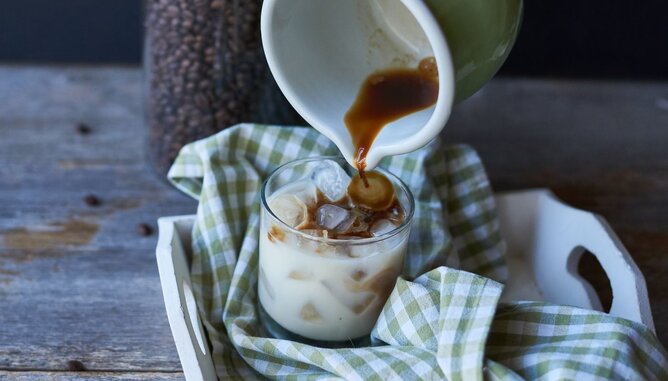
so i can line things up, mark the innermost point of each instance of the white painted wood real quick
(189, 335)
(545, 240)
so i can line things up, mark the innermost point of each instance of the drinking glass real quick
(323, 291)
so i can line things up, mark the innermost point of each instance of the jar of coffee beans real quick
(205, 71)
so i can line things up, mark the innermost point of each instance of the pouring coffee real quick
(322, 53)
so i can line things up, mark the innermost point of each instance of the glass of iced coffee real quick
(332, 245)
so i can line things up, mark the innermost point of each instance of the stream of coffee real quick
(386, 96)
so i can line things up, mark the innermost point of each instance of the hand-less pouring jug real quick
(321, 51)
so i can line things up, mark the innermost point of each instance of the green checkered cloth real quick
(443, 320)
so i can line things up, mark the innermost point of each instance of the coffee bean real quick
(75, 366)
(83, 129)
(92, 200)
(206, 71)
(144, 229)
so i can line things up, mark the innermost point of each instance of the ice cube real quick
(326, 250)
(356, 299)
(276, 234)
(347, 223)
(366, 250)
(383, 282)
(364, 304)
(309, 312)
(300, 275)
(331, 179)
(330, 216)
(381, 227)
(359, 226)
(354, 223)
(313, 232)
(303, 189)
(289, 209)
(358, 275)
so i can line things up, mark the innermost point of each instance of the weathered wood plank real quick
(70, 93)
(79, 282)
(93, 294)
(76, 376)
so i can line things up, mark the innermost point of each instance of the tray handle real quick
(173, 266)
(578, 231)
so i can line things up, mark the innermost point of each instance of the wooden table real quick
(79, 285)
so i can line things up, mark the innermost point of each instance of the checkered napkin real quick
(443, 319)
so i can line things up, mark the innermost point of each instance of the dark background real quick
(560, 38)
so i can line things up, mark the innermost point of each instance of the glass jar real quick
(205, 70)
(315, 289)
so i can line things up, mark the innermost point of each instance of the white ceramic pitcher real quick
(321, 51)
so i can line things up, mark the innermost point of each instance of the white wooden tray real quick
(545, 241)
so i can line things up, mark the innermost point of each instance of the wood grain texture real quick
(79, 282)
(93, 294)
(77, 376)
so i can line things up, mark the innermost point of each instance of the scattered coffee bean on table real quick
(144, 230)
(83, 129)
(206, 70)
(92, 200)
(75, 366)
